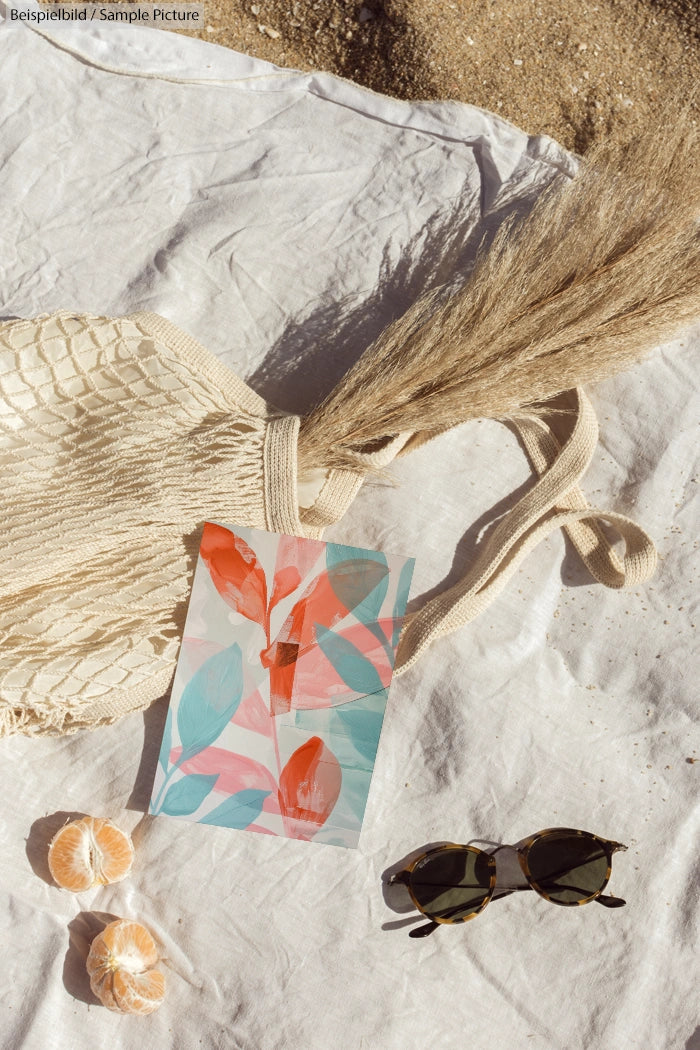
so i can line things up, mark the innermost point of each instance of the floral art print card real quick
(281, 685)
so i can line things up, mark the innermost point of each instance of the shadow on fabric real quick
(82, 930)
(313, 353)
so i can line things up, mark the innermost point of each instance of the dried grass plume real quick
(605, 267)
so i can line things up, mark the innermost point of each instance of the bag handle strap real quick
(340, 487)
(555, 501)
(598, 555)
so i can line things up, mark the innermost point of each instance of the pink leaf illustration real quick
(195, 651)
(317, 683)
(236, 773)
(295, 558)
(287, 579)
(235, 571)
(309, 787)
(252, 713)
(260, 830)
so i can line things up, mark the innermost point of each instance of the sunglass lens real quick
(568, 868)
(452, 884)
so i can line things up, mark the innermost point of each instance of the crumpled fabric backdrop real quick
(283, 219)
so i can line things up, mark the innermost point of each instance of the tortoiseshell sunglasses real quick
(453, 883)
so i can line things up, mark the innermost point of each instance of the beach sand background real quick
(576, 70)
(572, 69)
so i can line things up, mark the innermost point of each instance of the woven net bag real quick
(119, 437)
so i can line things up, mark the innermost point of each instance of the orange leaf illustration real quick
(286, 580)
(327, 599)
(235, 571)
(309, 787)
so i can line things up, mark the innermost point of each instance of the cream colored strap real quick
(555, 501)
(601, 559)
(341, 487)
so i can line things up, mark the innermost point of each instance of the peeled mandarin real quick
(90, 852)
(121, 969)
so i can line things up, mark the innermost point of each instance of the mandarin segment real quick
(89, 852)
(138, 993)
(69, 858)
(121, 968)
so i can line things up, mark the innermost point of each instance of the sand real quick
(575, 70)
(568, 68)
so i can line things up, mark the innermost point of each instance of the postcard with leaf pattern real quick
(281, 685)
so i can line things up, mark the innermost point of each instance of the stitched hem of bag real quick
(195, 354)
(337, 493)
(65, 719)
(280, 476)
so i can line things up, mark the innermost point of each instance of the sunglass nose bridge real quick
(510, 867)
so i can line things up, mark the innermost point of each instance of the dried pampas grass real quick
(605, 267)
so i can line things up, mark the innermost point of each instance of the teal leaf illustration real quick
(359, 579)
(356, 792)
(351, 730)
(167, 741)
(349, 662)
(238, 811)
(362, 721)
(402, 590)
(209, 701)
(356, 572)
(187, 795)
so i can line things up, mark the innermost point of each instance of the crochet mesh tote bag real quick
(117, 435)
(120, 436)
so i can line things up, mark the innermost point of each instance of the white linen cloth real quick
(282, 219)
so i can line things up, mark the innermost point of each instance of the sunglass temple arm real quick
(607, 900)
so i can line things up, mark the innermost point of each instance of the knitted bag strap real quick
(555, 501)
(340, 487)
(601, 559)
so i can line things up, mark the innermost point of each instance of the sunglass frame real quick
(522, 849)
